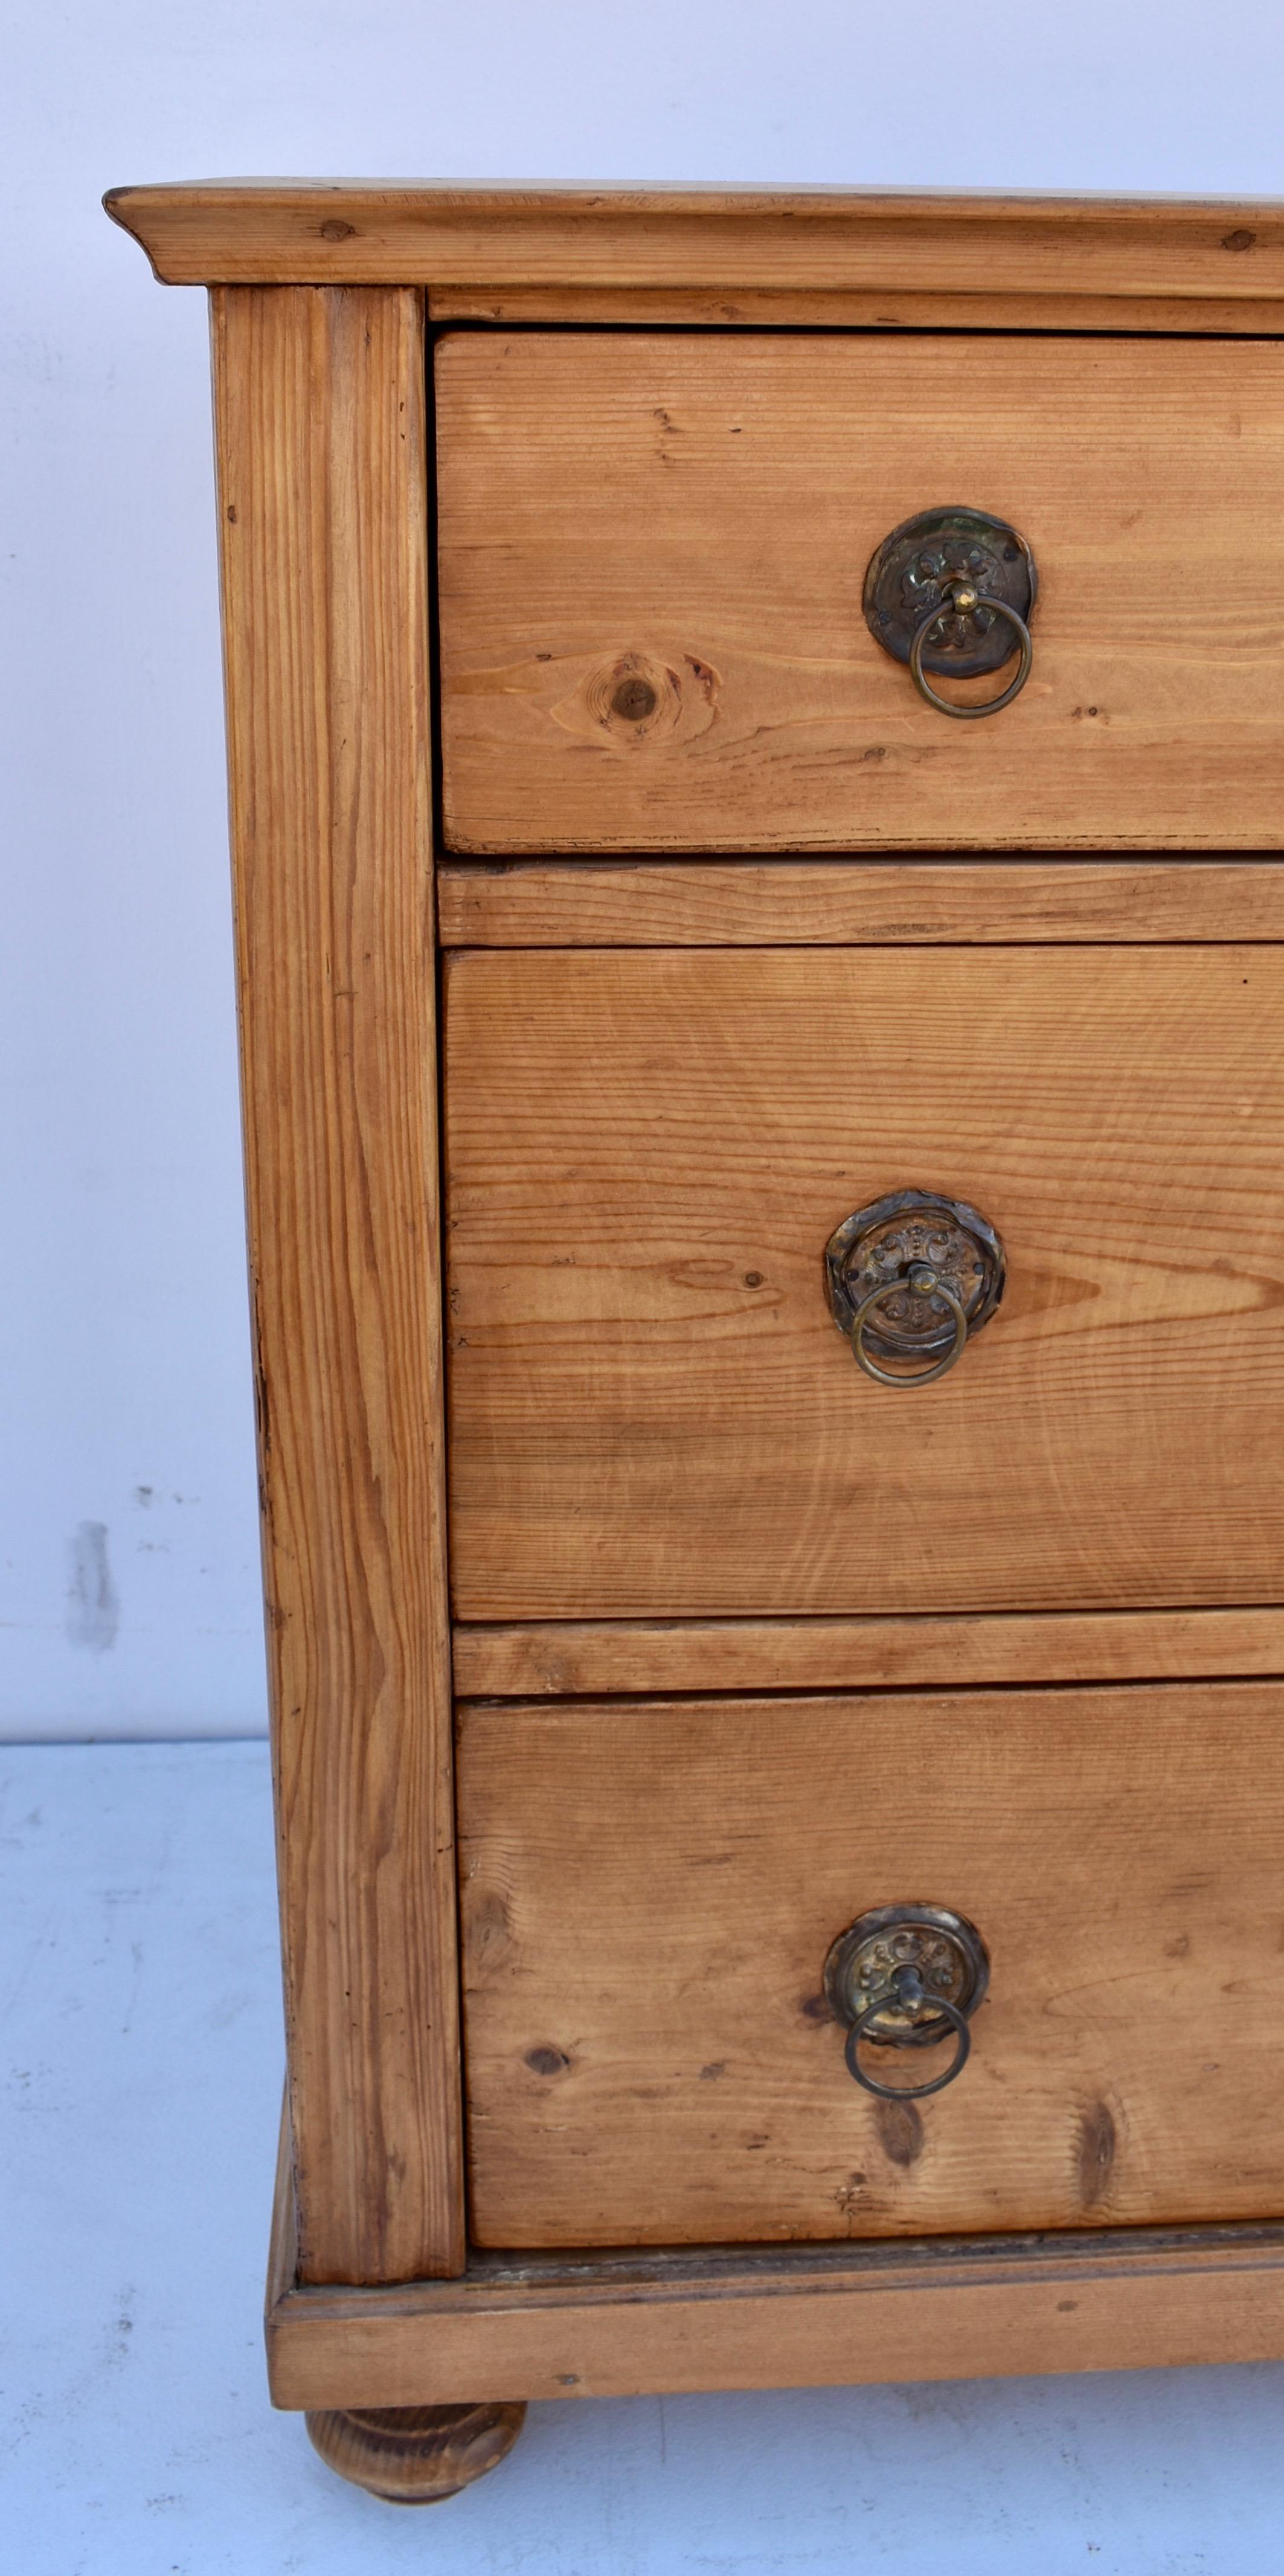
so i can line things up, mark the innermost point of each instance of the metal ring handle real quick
(908, 2092)
(991, 706)
(921, 1377)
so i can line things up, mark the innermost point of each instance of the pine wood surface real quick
(865, 309)
(695, 513)
(478, 236)
(622, 2323)
(321, 442)
(653, 1413)
(650, 1892)
(651, 903)
(415, 2454)
(788, 2317)
(321, 455)
(568, 1658)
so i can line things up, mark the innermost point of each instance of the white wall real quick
(128, 1550)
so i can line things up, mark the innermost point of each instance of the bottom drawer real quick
(651, 1892)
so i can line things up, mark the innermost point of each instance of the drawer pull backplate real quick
(910, 1278)
(951, 592)
(906, 1976)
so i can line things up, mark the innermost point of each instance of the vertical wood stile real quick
(321, 439)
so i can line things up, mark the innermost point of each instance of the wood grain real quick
(826, 903)
(567, 1658)
(321, 453)
(698, 510)
(864, 309)
(782, 2317)
(650, 1893)
(415, 2454)
(653, 1412)
(478, 236)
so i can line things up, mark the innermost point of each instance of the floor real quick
(142, 2056)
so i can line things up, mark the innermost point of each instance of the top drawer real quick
(653, 550)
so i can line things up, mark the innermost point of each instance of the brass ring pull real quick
(963, 600)
(907, 1991)
(924, 1282)
(910, 1279)
(906, 1976)
(952, 592)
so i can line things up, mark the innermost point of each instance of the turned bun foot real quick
(415, 2454)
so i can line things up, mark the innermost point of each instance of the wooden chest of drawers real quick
(768, 1257)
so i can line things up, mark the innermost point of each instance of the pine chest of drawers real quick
(756, 728)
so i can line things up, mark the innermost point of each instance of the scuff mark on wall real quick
(93, 1614)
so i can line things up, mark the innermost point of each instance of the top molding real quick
(500, 251)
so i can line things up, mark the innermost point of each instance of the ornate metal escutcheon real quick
(910, 1278)
(907, 1976)
(952, 591)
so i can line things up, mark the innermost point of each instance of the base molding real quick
(616, 2324)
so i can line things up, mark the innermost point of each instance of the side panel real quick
(322, 490)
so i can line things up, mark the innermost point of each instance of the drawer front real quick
(652, 1410)
(652, 552)
(651, 1892)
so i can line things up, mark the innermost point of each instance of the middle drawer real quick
(652, 1411)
